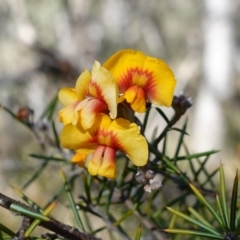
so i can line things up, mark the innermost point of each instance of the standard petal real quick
(128, 139)
(81, 84)
(122, 65)
(74, 138)
(67, 96)
(153, 75)
(103, 87)
(160, 88)
(108, 168)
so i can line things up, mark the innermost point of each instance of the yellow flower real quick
(103, 139)
(79, 159)
(93, 93)
(141, 78)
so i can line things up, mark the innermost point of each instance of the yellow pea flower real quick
(94, 93)
(103, 139)
(141, 78)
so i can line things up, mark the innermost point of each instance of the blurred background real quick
(44, 45)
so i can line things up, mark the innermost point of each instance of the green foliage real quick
(131, 208)
(227, 227)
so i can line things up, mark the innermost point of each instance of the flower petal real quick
(120, 63)
(77, 110)
(160, 88)
(86, 112)
(136, 97)
(108, 168)
(96, 160)
(79, 159)
(81, 84)
(66, 114)
(103, 87)
(123, 135)
(153, 75)
(77, 139)
(131, 93)
(130, 141)
(67, 96)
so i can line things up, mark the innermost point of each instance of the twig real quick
(180, 104)
(20, 234)
(175, 118)
(62, 229)
(108, 222)
(146, 222)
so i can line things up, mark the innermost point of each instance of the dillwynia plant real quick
(126, 180)
(127, 81)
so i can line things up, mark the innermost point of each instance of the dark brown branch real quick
(62, 229)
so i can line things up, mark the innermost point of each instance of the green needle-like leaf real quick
(201, 168)
(179, 130)
(164, 147)
(35, 175)
(193, 221)
(87, 180)
(27, 199)
(163, 115)
(87, 209)
(112, 219)
(26, 212)
(71, 201)
(233, 208)
(237, 222)
(36, 222)
(49, 158)
(138, 233)
(195, 233)
(209, 179)
(206, 204)
(126, 215)
(97, 230)
(199, 217)
(145, 121)
(173, 220)
(180, 141)
(221, 212)
(223, 199)
(101, 189)
(56, 196)
(48, 112)
(6, 230)
(56, 137)
(171, 165)
(196, 155)
(108, 203)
